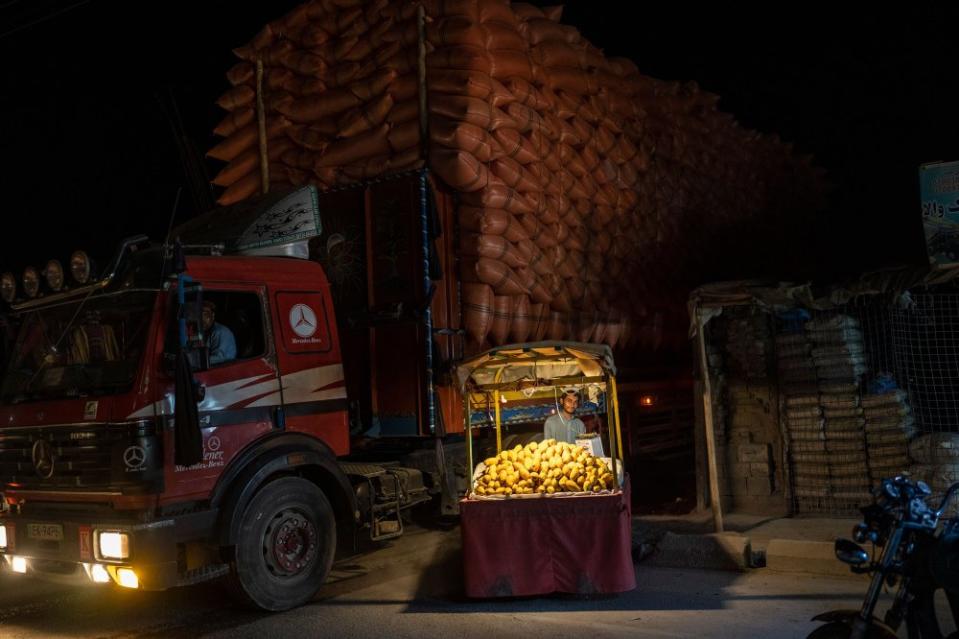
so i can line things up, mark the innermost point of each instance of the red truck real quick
(135, 450)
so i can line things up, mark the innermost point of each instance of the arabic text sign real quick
(939, 195)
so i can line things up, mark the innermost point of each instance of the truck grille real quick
(82, 455)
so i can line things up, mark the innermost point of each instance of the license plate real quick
(48, 532)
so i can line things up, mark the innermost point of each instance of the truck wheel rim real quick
(289, 544)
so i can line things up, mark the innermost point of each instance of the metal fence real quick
(865, 390)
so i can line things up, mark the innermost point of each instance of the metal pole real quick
(619, 432)
(428, 313)
(613, 447)
(708, 419)
(469, 439)
(421, 80)
(499, 431)
(261, 126)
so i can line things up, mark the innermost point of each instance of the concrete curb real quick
(808, 557)
(723, 551)
(732, 551)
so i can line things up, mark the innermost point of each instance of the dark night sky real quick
(91, 153)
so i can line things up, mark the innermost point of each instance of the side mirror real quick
(192, 354)
(188, 438)
(850, 552)
(190, 322)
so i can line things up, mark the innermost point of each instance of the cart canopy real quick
(548, 361)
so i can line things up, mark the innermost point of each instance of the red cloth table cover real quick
(521, 546)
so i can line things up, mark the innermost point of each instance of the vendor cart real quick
(568, 540)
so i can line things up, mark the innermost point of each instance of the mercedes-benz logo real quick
(303, 320)
(43, 460)
(134, 456)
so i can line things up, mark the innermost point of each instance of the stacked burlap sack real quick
(890, 427)
(571, 169)
(936, 457)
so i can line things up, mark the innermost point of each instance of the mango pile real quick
(547, 467)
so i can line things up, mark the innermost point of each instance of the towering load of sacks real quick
(572, 171)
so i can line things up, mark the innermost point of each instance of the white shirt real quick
(562, 430)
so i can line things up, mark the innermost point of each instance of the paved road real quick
(410, 589)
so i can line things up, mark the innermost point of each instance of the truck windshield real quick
(79, 348)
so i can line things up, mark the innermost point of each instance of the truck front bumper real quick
(69, 551)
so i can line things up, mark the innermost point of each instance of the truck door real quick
(240, 389)
(311, 367)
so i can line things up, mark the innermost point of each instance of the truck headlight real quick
(19, 564)
(113, 545)
(3, 537)
(99, 574)
(127, 578)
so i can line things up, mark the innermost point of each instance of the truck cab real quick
(131, 452)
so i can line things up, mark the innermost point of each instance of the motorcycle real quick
(914, 554)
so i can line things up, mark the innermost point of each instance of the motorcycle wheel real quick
(833, 630)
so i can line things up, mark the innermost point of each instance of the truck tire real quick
(284, 546)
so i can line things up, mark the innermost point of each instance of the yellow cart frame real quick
(508, 368)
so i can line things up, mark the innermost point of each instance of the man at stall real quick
(564, 426)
